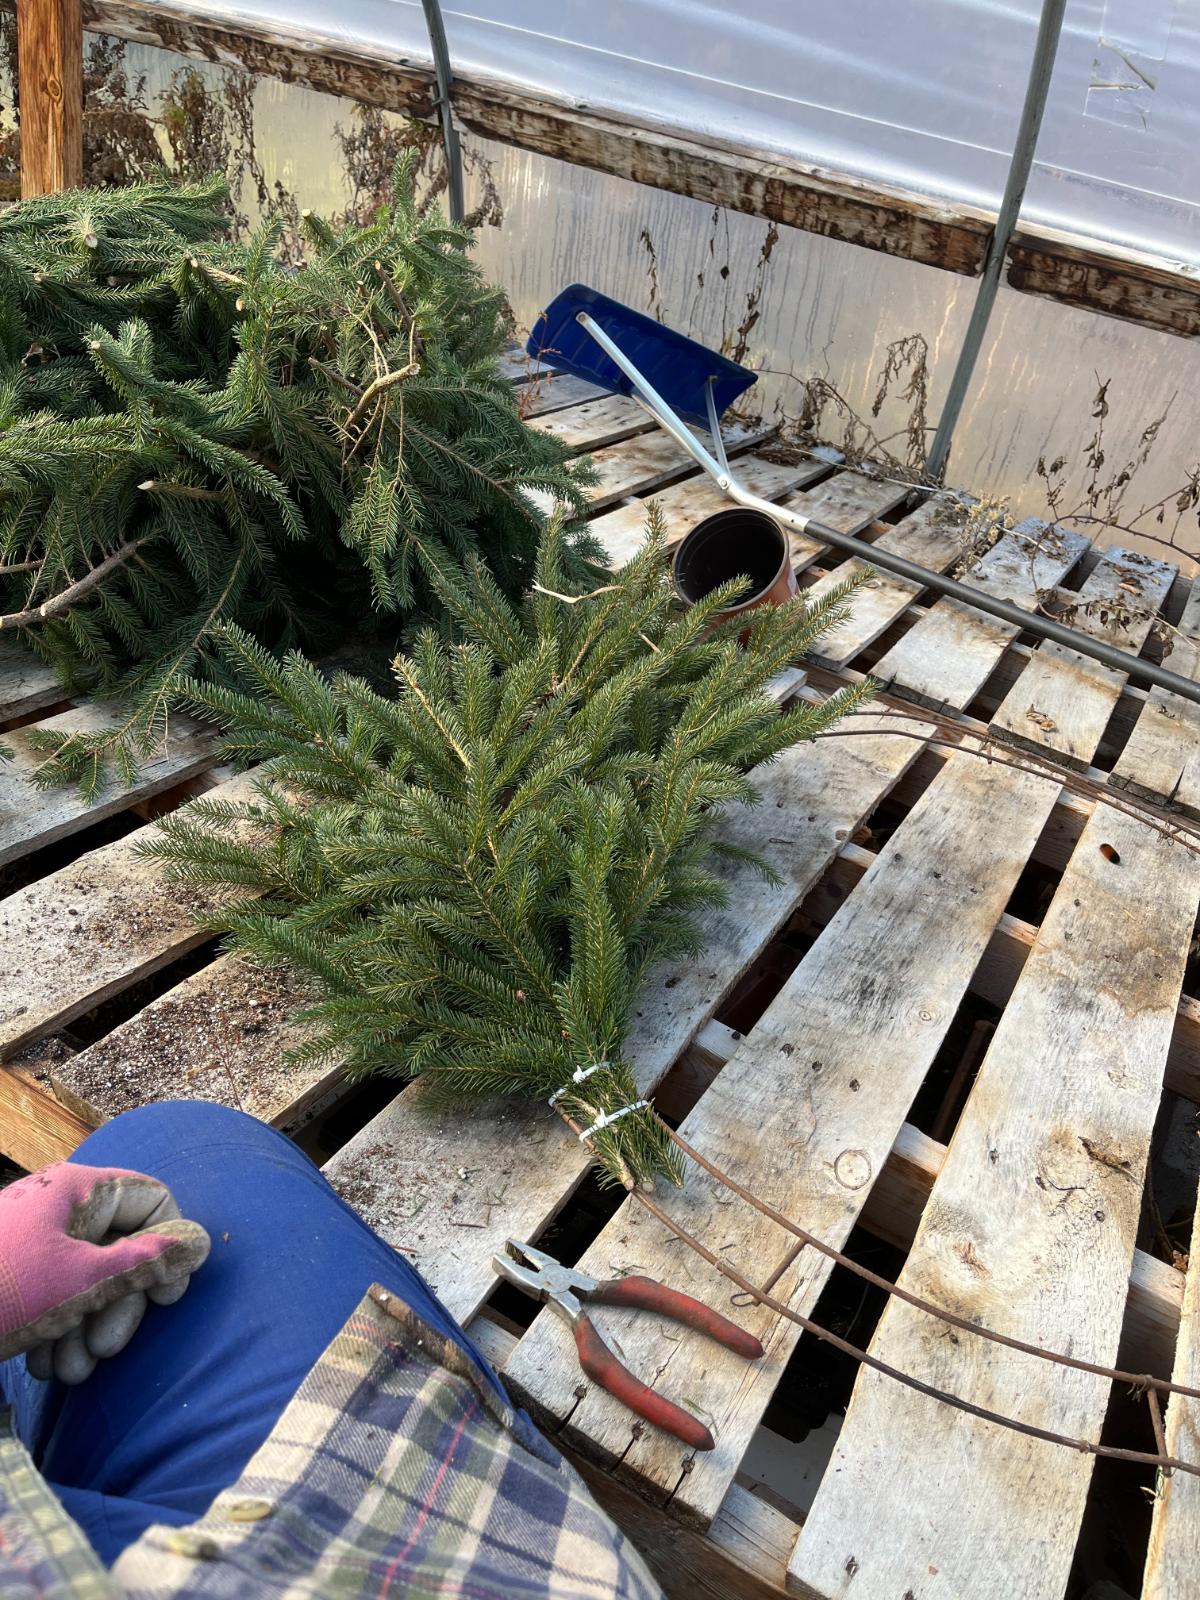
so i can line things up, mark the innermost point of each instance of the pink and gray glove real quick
(82, 1250)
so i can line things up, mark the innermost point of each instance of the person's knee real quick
(168, 1125)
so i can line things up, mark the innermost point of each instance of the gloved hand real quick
(82, 1249)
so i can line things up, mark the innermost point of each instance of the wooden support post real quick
(50, 77)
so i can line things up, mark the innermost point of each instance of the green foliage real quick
(192, 434)
(480, 872)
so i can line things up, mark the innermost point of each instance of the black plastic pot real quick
(730, 544)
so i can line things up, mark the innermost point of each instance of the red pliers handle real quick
(567, 1290)
(603, 1366)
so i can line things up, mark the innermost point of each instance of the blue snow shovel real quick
(678, 380)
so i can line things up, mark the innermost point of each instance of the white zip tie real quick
(605, 1119)
(578, 1076)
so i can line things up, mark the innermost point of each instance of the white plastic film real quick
(925, 94)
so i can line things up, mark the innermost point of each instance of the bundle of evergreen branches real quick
(480, 872)
(192, 434)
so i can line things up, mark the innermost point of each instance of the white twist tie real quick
(606, 1119)
(580, 1075)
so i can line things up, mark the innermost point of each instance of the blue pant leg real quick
(158, 1431)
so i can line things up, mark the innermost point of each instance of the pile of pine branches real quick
(193, 435)
(479, 873)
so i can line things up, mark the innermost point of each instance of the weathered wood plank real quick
(595, 423)
(948, 655)
(932, 535)
(1030, 1228)
(31, 818)
(86, 932)
(640, 465)
(805, 1115)
(622, 531)
(898, 1197)
(1171, 1560)
(50, 69)
(401, 1172)
(554, 391)
(847, 502)
(1161, 761)
(34, 1128)
(26, 683)
(219, 1035)
(1062, 701)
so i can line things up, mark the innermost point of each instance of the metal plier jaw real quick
(546, 1279)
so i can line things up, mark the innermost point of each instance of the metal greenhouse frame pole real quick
(441, 68)
(1041, 68)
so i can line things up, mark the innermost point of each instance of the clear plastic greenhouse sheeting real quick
(924, 94)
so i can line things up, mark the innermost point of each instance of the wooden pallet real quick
(798, 1053)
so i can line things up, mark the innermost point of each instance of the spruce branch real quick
(75, 592)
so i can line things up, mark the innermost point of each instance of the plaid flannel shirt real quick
(396, 1470)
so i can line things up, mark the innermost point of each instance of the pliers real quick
(565, 1289)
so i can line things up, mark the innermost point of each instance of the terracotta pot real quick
(732, 543)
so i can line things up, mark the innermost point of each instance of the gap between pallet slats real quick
(1161, 761)
(643, 464)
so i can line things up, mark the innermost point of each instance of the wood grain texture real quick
(1061, 703)
(401, 1172)
(622, 531)
(1161, 761)
(220, 1035)
(897, 1199)
(554, 391)
(805, 1115)
(1174, 1550)
(34, 1128)
(931, 535)
(640, 465)
(948, 655)
(1031, 1229)
(50, 72)
(26, 683)
(595, 423)
(31, 817)
(86, 932)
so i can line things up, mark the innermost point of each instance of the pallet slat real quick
(931, 535)
(641, 465)
(812, 798)
(805, 1114)
(948, 655)
(1171, 1557)
(88, 931)
(31, 818)
(1031, 1229)
(1062, 701)
(27, 684)
(554, 391)
(219, 1035)
(1161, 761)
(595, 422)
(623, 532)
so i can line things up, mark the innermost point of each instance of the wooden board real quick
(1062, 701)
(1031, 1229)
(931, 535)
(73, 939)
(622, 532)
(31, 818)
(26, 683)
(1161, 761)
(402, 1172)
(1174, 1551)
(554, 391)
(595, 422)
(50, 70)
(640, 465)
(948, 655)
(219, 1035)
(899, 1194)
(805, 1115)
